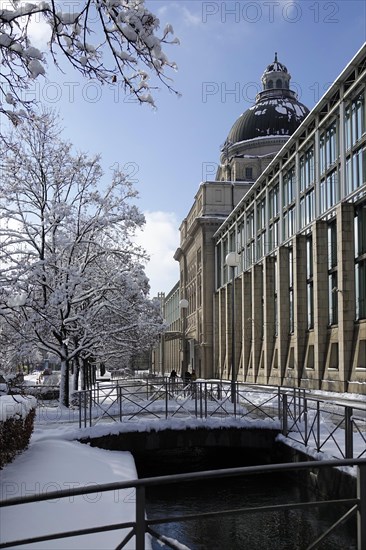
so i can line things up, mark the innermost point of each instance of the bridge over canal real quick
(262, 412)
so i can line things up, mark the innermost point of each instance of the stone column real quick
(246, 324)
(268, 318)
(283, 311)
(257, 317)
(346, 290)
(238, 329)
(321, 302)
(300, 306)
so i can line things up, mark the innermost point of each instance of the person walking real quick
(187, 377)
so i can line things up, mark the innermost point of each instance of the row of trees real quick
(72, 280)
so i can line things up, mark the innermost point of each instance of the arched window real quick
(278, 83)
(270, 83)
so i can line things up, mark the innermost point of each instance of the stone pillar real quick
(246, 305)
(257, 317)
(283, 311)
(346, 290)
(216, 329)
(268, 318)
(238, 329)
(221, 332)
(227, 324)
(300, 306)
(320, 281)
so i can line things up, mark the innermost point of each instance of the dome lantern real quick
(276, 76)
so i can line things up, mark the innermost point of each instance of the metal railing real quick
(316, 423)
(310, 421)
(143, 526)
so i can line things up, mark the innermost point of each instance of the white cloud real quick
(190, 17)
(162, 11)
(39, 32)
(160, 238)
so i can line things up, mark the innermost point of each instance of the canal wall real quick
(188, 438)
(261, 446)
(330, 483)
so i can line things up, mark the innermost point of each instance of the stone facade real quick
(196, 257)
(301, 234)
(293, 208)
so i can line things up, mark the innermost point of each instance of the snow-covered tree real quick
(71, 277)
(112, 41)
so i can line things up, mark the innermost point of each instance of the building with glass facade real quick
(290, 201)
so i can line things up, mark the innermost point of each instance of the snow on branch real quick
(112, 41)
(72, 280)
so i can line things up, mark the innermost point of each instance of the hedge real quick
(15, 432)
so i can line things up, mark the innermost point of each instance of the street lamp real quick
(183, 306)
(232, 260)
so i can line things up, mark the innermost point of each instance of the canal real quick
(279, 530)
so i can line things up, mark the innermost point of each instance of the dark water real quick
(281, 530)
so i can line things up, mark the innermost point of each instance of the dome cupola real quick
(261, 131)
(276, 76)
(276, 112)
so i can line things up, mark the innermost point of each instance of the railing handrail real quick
(141, 526)
(206, 398)
(184, 477)
(265, 389)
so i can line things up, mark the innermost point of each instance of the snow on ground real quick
(54, 460)
(55, 464)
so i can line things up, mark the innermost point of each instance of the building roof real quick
(274, 116)
(276, 112)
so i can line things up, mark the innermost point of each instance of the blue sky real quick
(225, 47)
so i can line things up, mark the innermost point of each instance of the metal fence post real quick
(284, 415)
(305, 409)
(235, 396)
(206, 398)
(317, 426)
(194, 391)
(303, 400)
(201, 407)
(79, 398)
(166, 399)
(361, 512)
(140, 518)
(348, 434)
(85, 397)
(90, 407)
(119, 398)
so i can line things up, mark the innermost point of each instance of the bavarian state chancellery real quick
(272, 254)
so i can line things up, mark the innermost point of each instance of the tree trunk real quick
(75, 381)
(65, 377)
(64, 384)
(86, 374)
(82, 376)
